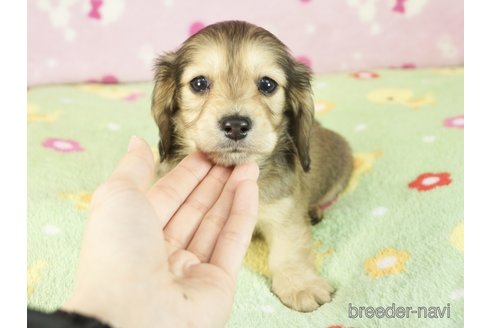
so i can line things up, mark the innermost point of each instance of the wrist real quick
(88, 307)
(61, 318)
(127, 305)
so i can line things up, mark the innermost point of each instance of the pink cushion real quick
(117, 40)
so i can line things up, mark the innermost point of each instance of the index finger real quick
(170, 191)
(137, 165)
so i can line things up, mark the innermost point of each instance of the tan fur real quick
(301, 163)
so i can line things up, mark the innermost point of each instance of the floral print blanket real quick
(393, 241)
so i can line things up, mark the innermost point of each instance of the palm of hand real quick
(175, 252)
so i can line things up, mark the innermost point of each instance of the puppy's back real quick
(331, 165)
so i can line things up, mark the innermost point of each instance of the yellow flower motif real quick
(34, 115)
(323, 106)
(404, 97)
(257, 256)
(34, 275)
(80, 199)
(387, 261)
(320, 256)
(418, 102)
(388, 95)
(457, 237)
(363, 163)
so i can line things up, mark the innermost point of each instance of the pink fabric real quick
(117, 40)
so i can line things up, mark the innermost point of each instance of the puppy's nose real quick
(235, 127)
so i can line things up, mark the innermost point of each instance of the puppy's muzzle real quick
(235, 127)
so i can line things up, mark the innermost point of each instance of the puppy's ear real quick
(301, 104)
(164, 102)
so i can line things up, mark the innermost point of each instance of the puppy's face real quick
(232, 91)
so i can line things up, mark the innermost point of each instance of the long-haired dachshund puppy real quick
(234, 92)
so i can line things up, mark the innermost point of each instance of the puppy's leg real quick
(294, 277)
(315, 214)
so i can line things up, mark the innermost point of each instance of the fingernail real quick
(255, 169)
(133, 144)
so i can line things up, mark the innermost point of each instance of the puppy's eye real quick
(200, 84)
(266, 85)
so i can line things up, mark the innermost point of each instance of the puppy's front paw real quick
(302, 292)
(315, 214)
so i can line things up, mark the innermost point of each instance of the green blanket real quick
(393, 240)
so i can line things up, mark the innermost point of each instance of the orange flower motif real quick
(387, 261)
(365, 75)
(428, 181)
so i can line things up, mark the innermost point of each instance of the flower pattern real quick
(80, 199)
(386, 262)
(455, 122)
(112, 107)
(429, 181)
(457, 237)
(34, 273)
(323, 106)
(62, 145)
(35, 115)
(106, 79)
(400, 96)
(365, 75)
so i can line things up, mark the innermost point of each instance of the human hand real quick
(165, 255)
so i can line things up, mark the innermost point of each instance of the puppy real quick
(234, 92)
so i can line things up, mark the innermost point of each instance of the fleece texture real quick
(393, 239)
